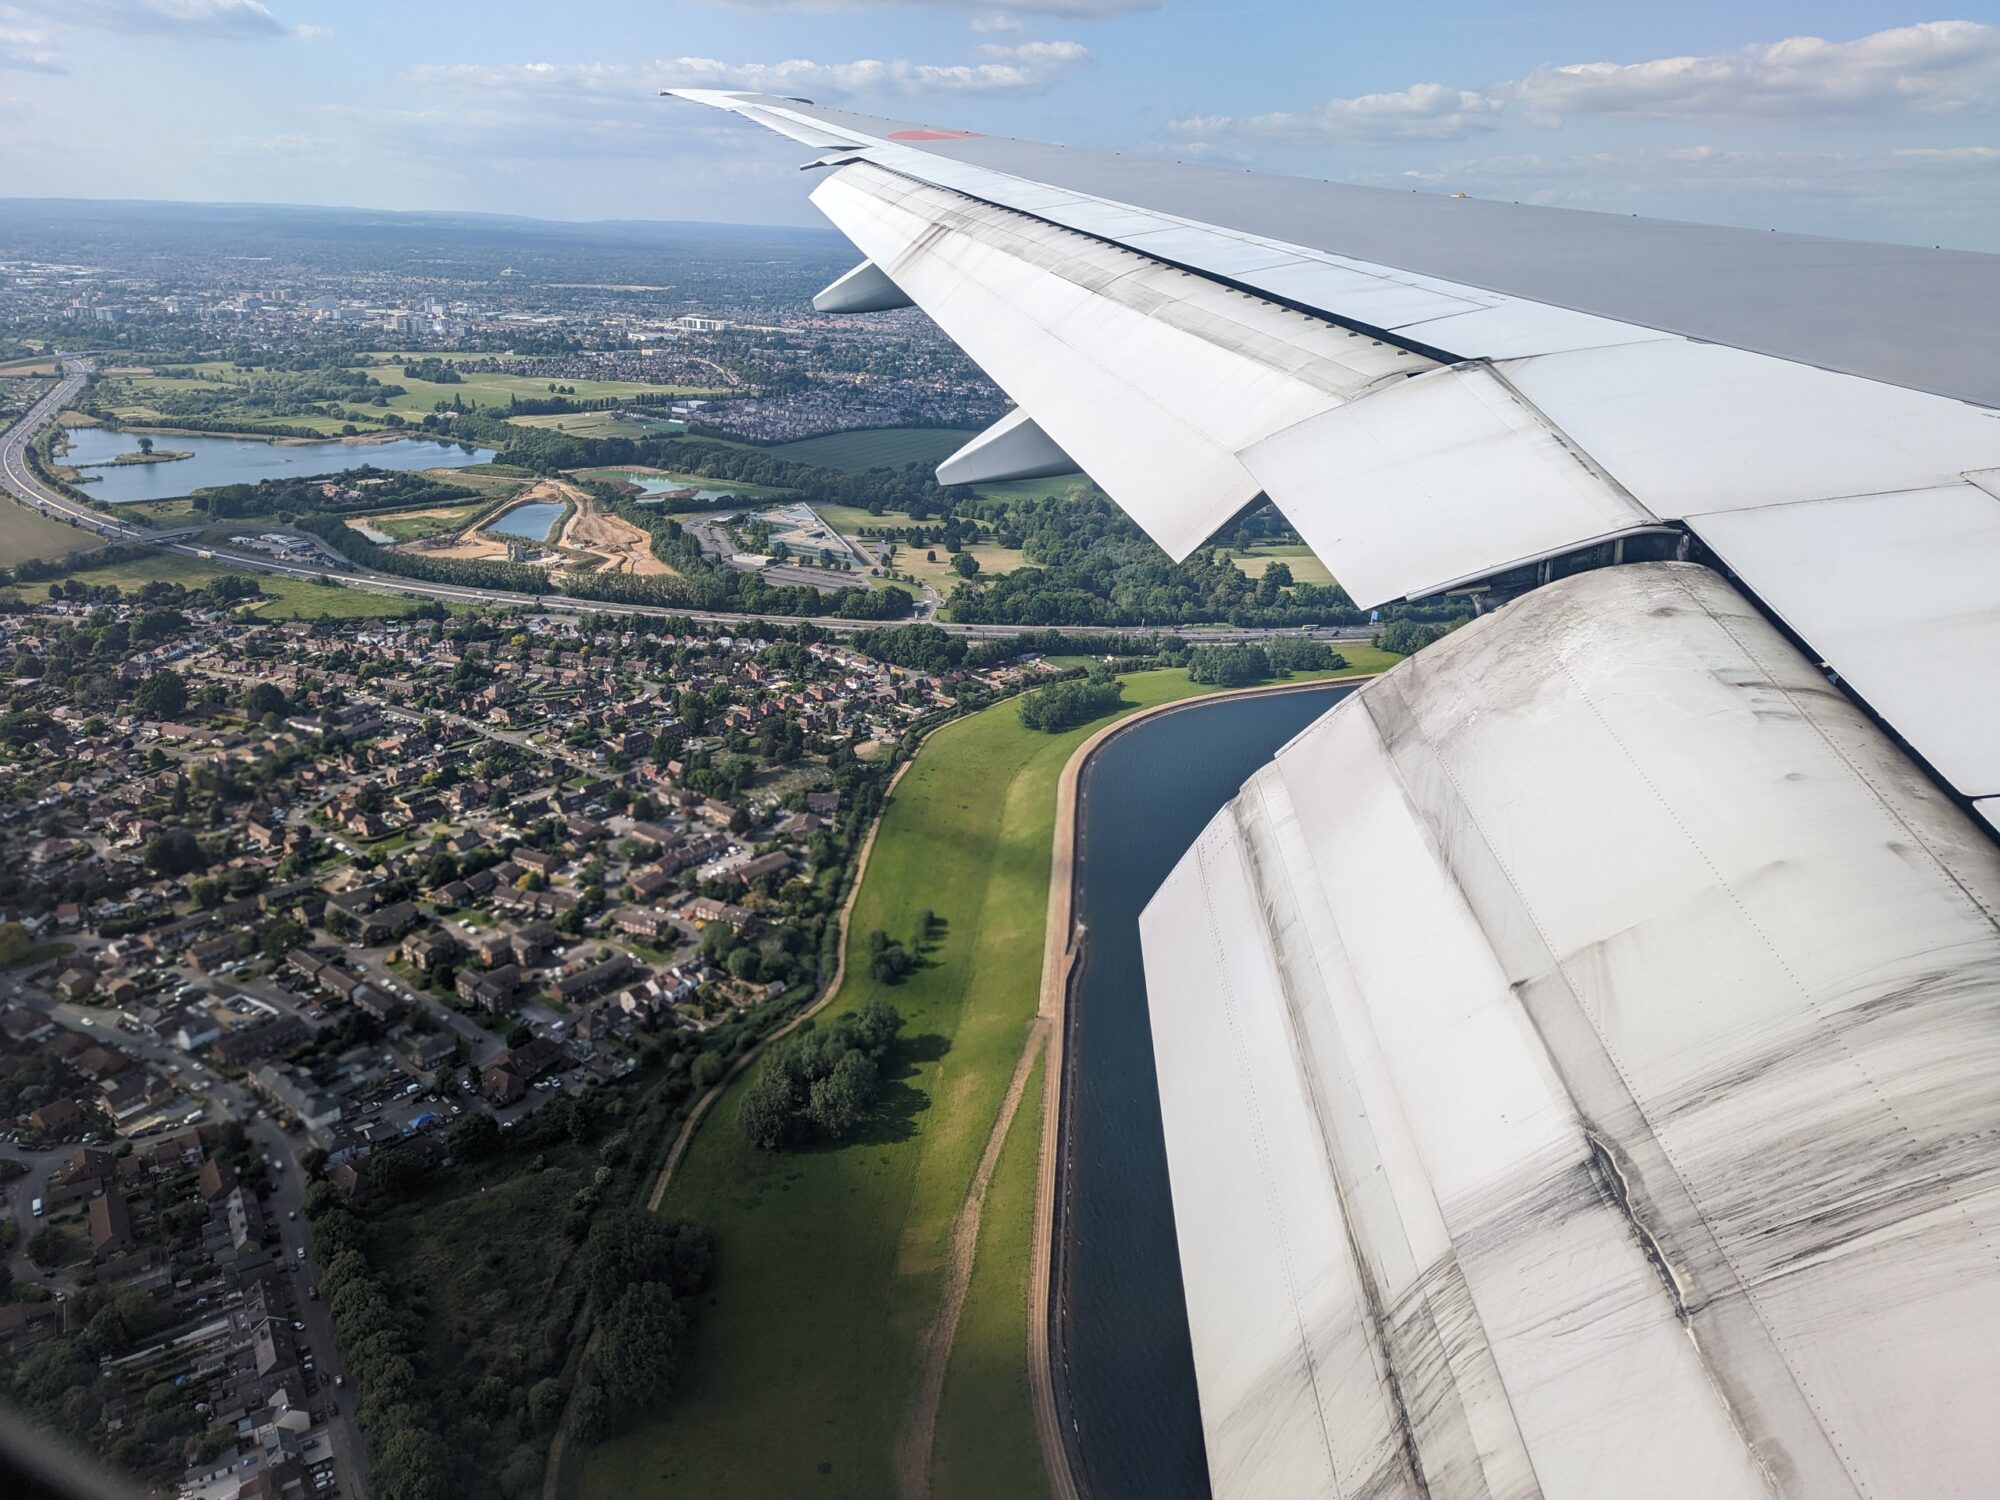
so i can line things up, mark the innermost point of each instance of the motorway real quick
(17, 478)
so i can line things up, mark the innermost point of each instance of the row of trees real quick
(1064, 705)
(820, 1084)
(384, 491)
(1236, 666)
(641, 1275)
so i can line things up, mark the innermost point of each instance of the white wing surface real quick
(1579, 1051)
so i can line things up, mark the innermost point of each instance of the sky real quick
(1863, 118)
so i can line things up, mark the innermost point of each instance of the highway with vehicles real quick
(20, 481)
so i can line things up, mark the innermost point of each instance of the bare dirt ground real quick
(482, 544)
(623, 547)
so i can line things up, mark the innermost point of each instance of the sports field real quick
(881, 447)
(830, 1264)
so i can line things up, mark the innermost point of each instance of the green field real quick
(1030, 489)
(420, 396)
(891, 447)
(850, 520)
(978, 1452)
(1295, 555)
(302, 599)
(132, 391)
(603, 424)
(830, 1263)
(28, 534)
(412, 526)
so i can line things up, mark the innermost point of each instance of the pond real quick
(239, 460)
(531, 522)
(664, 484)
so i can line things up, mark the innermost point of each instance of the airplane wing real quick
(1578, 1050)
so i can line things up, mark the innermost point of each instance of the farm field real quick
(830, 1263)
(889, 447)
(28, 535)
(1295, 555)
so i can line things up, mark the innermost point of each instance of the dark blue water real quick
(1125, 1373)
(236, 460)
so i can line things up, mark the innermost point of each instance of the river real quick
(1125, 1372)
(238, 460)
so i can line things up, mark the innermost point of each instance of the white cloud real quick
(1423, 112)
(998, 25)
(1936, 68)
(557, 92)
(1044, 57)
(218, 18)
(26, 50)
(1939, 67)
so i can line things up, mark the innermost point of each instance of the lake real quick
(531, 522)
(237, 460)
(660, 484)
(1125, 1368)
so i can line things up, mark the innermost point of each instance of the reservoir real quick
(529, 521)
(656, 485)
(1124, 1370)
(239, 460)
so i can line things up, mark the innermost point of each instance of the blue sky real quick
(1877, 119)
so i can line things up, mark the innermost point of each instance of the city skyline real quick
(1870, 120)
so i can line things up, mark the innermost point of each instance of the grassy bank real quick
(985, 1447)
(831, 1263)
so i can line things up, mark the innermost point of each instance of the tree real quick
(474, 1136)
(590, 1414)
(964, 564)
(840, 1101)
(51, 1246)
(320, 1197)
(262, 698)
(163, 695)
(639, 1345)
(1064, 705)
(145, 445)
(174, 851)
(1407, 637)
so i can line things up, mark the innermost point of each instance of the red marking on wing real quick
(931, 135)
